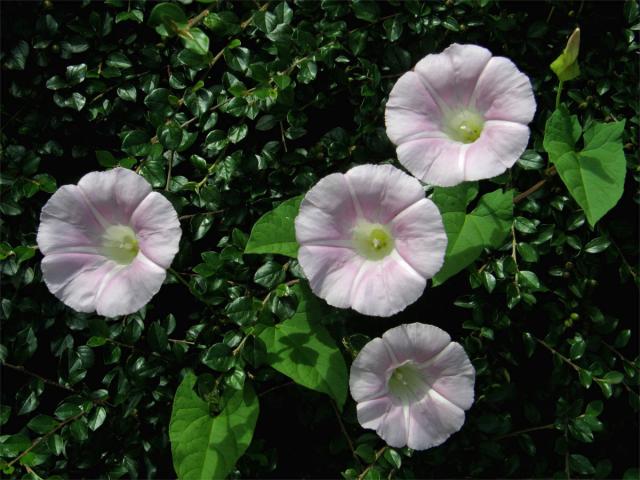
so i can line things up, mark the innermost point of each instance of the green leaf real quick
(76, 101)
(205, 446)
(597, 245)
(468, 233)
(127, 93)
(613, 377)
(136, 143)
(195, 40)
(97, 417)
(275, 232)
(595, 175)
(581, 464)
(269, 275)
(170, 135)
(76, 73)
(42, 424)
(165, 16)
(303, 349)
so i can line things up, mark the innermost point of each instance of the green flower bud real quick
(566, 65)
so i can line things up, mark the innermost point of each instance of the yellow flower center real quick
(372, 240)
(119, 243)
(464, 126)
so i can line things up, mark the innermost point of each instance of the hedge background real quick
(287, 93)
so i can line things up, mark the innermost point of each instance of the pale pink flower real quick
(369, 239)
(460, 115)
(107, 242)
(412, 386)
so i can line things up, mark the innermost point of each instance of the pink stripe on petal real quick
(420, 237)
(435, 161)
(331, 272)
(394, 426)
(382, 191)
(453, 74)
(327, 212)
(411, 112)
(498, 148)
(75, 278)
(504, 93)
(386, 287)
(433, 420)
(154, 214)
(115, 194)
(130, 288)
(371, 413)
(416, 341)
(67, 220)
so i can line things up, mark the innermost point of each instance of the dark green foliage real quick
(232, 110)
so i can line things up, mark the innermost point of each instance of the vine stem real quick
(560, 84)
(180, 279)
(549, 426)
(45, 436)
(277, 387)
(344, 432)
(20, 368)
(369, 467)
(521, 196)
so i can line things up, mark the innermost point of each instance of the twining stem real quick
(548, 426)
(20, 368)
(277, 387)
(369, 467)
(45, 436)
(521, 196)
(344, 432)
(166, 187)
(560, 84)
(180, 278)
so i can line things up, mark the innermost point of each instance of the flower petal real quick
(115, 194)
(433, 420)
(393, 426)
(416, 341)
(130, 288)
(386, 287)
(67, 223)
(331, 272)
(420, 237)
(436, 161)
(371, 413)
(367, 379)
(504, 93)
(326, 213)
(452, 375)
(411, 112)
(382, 191)
(157, 228)
(451, 76)
(498, 148)
(76, 277)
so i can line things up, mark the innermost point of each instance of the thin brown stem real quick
(191, 215)
(277, 387)
(369, 467)
(198, 18)
(45, 436)
(20, 368)
(521, 196)
(344, 432)
(549, 426)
